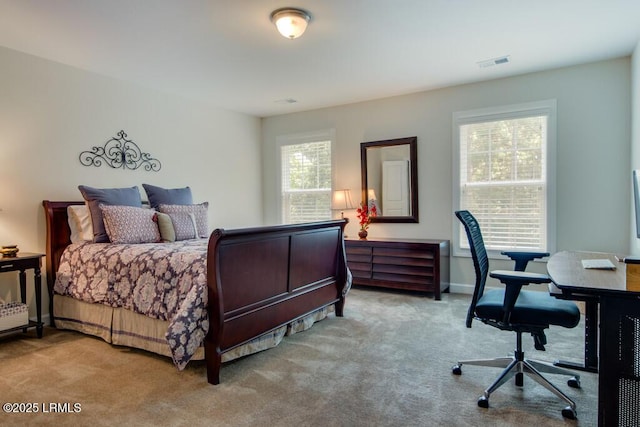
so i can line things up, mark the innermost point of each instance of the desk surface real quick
(567, 273)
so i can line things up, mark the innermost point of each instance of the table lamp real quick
(342, 201)
(372, 199)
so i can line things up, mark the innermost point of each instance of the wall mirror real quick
(390, 178)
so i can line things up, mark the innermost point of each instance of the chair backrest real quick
(480, 258)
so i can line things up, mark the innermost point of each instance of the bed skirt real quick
(123, 327)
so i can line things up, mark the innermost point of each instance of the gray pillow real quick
(94, 197)
(167, 196)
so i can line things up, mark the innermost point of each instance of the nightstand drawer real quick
(17, 263)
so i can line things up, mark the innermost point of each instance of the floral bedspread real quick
(166, 281)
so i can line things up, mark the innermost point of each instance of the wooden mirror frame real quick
(412, 142)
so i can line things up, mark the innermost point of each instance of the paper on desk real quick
(599, 264)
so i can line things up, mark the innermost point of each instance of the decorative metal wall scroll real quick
(120, 152)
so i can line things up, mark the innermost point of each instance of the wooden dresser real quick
(410, 264)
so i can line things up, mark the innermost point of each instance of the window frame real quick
(514, 111)
(303, 138)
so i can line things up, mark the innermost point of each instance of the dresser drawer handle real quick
(7, 266)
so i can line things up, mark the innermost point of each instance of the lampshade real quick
(291, 23)
(372, 194)
(342, 200)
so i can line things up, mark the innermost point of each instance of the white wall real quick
(50, 112)
(593, 149)
(635, 138)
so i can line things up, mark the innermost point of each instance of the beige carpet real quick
(386, 363)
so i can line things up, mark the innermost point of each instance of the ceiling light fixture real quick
(291, 22)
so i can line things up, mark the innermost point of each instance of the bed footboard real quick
(262, 278)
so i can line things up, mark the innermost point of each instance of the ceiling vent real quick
(494, 61)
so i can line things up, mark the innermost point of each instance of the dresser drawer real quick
(359, 258)
(409, 282)
(427, 263)
(402, 271)
(359, 266)
(417, 253)
(358, 250)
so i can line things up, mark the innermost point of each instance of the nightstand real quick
(22, 262)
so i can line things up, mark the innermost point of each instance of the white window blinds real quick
(503, 178)
(306, 182)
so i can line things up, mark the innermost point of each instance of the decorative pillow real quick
(167, 196)
(189, 221)
(94, 197)
(80, 223)
(128, 224)
(167, 232)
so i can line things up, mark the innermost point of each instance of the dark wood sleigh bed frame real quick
(259, 279)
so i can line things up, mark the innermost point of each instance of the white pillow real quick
(80, 223)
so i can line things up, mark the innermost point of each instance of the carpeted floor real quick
(386, 363)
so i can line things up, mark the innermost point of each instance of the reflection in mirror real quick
(389, 179)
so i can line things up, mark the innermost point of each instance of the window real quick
(505, 176)
(306, 169)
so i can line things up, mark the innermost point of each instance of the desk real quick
(619, 346)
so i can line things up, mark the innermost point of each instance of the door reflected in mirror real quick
(389, 178)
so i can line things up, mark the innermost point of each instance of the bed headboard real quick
(58, 238)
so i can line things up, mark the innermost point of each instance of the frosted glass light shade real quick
(291, 23)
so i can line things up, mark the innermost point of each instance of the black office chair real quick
(511, 309)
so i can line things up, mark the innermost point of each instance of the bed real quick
(247, 288)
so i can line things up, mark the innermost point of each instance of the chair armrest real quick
(514, 280)
(523, 258)
(519, 277)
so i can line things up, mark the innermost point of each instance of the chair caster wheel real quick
(569, 413)
(456, 370)
(573, 382)
(483, 402)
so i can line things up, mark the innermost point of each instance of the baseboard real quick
(460, 288)
(45, 319)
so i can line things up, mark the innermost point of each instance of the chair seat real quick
(532, 308)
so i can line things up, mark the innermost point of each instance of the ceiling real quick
(228, 53)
